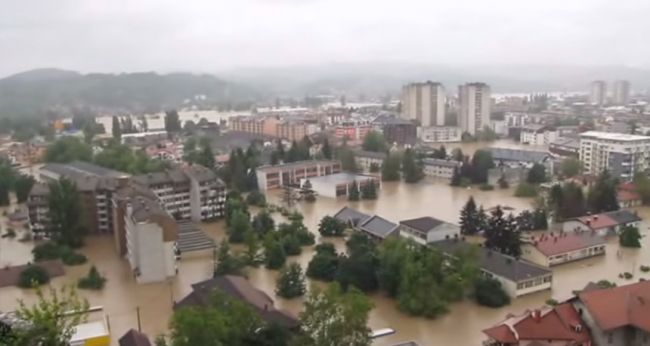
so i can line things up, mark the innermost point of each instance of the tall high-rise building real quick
(598, 92)
(621, 154)
(424, 102)
(474, 110)
(621, 92)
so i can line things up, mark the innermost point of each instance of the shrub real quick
(11, 233)
(526, 190)
(488, 292)
(50, 251)
(605, 284)
(256, 198)
(94, 281)
(645, 269)
(626, 275)
(552, 302)
(504, 184)
(465, 182)
(486, 187)
(630, 237)
(72, 258)
(33, 276)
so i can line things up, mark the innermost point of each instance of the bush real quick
(526, 190)
(626, 275)
(630, 237)
(551, 302)
(94, 281)
(488, 292)
(51, 251)
(504, 184)
(33, 276)
(465, 182)
(11, 233)
(645, 269)
(605, 284)
(256, 198)
(486, 187)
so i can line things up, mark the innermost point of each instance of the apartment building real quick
(621, 154)
(353, 130)
(516, 119)
(537, 135)
(621, 92)
(272, 125)
(441, 134)
(475, 104)
(193, 192)
(424, 103)
(396, 130)
(598, 92)
(275, 176)
(95, 186)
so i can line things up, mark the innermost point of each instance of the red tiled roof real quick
(598, 221)
(616, 307)
(627, 195)
(560, 243)
(555, 324)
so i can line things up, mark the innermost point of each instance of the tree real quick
(172, 121)
(420, 292)
(525, 221)
(353, 191)
(369, 190)
(67, 149)
(332, 317)
(502, 234)
(455, 178)
(469, 221)
(566, 201)
(22, 186)
(481, 163)
(374, 141)
(374, 168)
(274, 254)
(49, 320)
(263, 223)
(93, 281)
(392, 256)
(642, 184)
(325, 263)
(116, 128)
(240, 224)
(413, 170)
(331, 227)
(570, 167)
(390, 168)
(359, 267)
(64, 208)
(256, 198)
(291, 282)
(33, 276)
(540, 219)
(458, 155)
(537, 174)
(602, 195)
(227, 264)
(488, 292)
(347, 158)
(630, 237)
(225, 321)
(307, 193)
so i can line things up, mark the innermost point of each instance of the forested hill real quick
(37, 92)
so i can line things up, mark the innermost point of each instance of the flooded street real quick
(397, 201)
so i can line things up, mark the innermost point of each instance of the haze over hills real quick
(37, 91)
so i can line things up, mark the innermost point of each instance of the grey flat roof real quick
(349, 215)
(423, 224)
(497, 263)
(378, 226)
(76, 168)
(506, 154)
(623, 216)
(339, 178)
(441, 162)
(296, 164)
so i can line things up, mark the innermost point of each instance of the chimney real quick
(537, 315)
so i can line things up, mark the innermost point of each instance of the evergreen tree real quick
(263, 223)
(172, 122)
(537, 174)
(353, 191)
(64, 213)
(469, 218)
(525, 221)
(326, 150)
(374, 141)
(291, 282)
(307, 193)
(274, 255)
(502, 234)
(602, 196)
(227, 264)
(240, 224)
(630, 237)
(455, 178)
(331, 227)
(540, 221)
(325, 263)
(413, 170)
(116, 128)
(481, 163)
(369, 190)
(390, 168)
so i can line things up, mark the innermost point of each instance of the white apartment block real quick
(598, 92)
(474, 111)
(440, 134)
(621, 92)
(537, 135)
(621, 154)
(439, 168)
(151, 235)
(515, 119)
(424, 102)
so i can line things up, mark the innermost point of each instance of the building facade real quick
(621, 154)
(440, 134)
(276, 176)
(621, 92)
(537, 135)
(426, 230)
(439, 168)
(365, 160)
(424, 103)
(352, 130)
(474, 110)
(340, 184)
(598, 93)
(564, 247)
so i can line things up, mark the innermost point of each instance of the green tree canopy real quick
(291, 282)
(374, 141)
(68, 149)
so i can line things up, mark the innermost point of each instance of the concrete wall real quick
(531, 254)
(442, 232)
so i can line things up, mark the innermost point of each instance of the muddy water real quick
(461, 326)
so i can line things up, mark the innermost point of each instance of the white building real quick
(474, 111)
(151, 235)
(553, 249)
(367, 159)
(424, 102)
(621, 154)
(621, 92)
(439, 168)
(440, 134)
(425, 230)
(516, 119)
(339, 184)
(598, 92)
(537, 135)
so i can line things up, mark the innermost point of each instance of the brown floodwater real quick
(122, 297)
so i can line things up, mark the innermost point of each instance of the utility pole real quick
(137, 311)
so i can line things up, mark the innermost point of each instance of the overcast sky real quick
(215, 35)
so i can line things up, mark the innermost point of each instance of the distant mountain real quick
(375, 79)
(33, 93)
